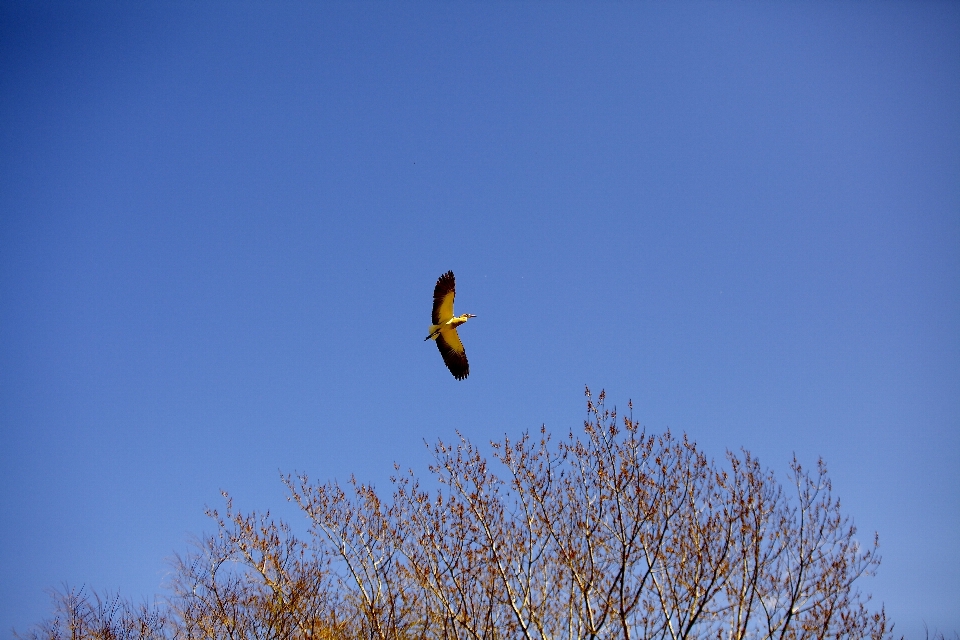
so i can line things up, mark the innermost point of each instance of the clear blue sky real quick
(220, 226)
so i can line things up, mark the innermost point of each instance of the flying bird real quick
(444, 327)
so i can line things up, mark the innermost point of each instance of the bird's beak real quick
(471, 315)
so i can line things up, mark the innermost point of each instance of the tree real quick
(615, 533)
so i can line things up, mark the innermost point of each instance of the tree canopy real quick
(612, 532)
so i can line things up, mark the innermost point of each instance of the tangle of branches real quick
(609, 533)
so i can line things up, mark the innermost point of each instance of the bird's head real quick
(468, 315)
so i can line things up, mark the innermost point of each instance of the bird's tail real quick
(434, 332)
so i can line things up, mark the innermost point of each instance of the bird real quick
(444, 327)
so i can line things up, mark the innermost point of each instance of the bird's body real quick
(444, 327)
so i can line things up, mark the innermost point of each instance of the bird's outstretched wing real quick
(443, 300)
(452, 351)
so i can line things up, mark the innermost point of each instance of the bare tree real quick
(253, 579)
(80, 614)
(612, 533)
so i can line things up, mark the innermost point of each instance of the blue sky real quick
(220, 226)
